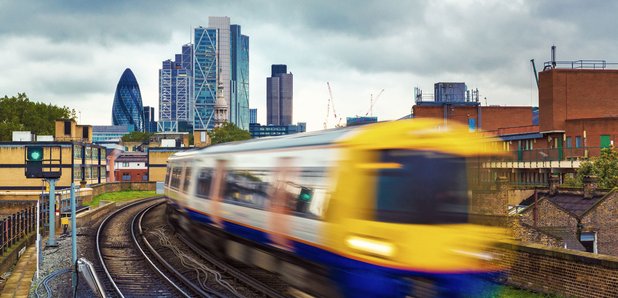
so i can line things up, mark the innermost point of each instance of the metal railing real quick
(17, 226)
(551, 154)
(580, 64)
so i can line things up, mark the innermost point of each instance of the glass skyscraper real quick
(221, 53)
(127, 107)
(252, 116)
(175, 92)
(205, 71)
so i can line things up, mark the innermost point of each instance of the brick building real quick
(131, 166)
(578, 220)
(578, 116)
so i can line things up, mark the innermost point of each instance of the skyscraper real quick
(252, 116)
(149, 119)
(127, 107)
(175, 92)
(221, 54)
(279, 96)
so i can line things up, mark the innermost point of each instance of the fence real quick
(17, 226)
(551, 154)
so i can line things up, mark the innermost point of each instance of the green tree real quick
(604, 167)
(137, 136)
(228, 132)
(19, 113)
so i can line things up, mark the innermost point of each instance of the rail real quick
(19, 225)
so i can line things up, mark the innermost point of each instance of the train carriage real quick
(376, 211)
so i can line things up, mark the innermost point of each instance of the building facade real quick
(110, 133)
(279, 96)
(221, 54)
(252, 116)
(127, 107)
(259, 131)
(131, 167)
(150, 125)
(176, 92)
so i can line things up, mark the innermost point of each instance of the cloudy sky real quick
(73, 52)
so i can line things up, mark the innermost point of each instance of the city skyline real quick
(353, 46)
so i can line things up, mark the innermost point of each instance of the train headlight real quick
(372, 246)
(485, 256)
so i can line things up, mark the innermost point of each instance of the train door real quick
(216, 191)
(281, 198)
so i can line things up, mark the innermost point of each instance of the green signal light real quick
(35, 153)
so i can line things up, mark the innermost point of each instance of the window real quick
(126, 177)
(145, 178)
(578, 142)
(125, 164)
(67, 128)
(185, 186)
(424, 188)
(569, 143)
(85, 132)
(247, 187)
(175, 181)
(589, 241)
(204, 181)
(167, 175)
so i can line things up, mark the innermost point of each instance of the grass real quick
(121, 196)
(510, 292)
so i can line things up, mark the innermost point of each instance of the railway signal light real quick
(34, 162)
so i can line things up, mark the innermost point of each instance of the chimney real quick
(553, 56)
(554, 181)
(590, 186)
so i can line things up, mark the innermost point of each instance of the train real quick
(379, 210)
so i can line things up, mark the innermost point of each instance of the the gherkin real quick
(128, 108)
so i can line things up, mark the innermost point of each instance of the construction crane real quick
(331, 104)
(372, 102)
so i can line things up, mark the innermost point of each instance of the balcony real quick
(549, 158)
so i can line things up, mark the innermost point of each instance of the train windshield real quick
(422, 187)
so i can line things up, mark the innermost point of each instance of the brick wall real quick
(559, 271)
(122, 186)
(491, 118)
(602, 220)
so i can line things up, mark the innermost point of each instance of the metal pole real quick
(51, 240)
(38, 232)
(73, 238)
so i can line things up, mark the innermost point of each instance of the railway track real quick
(141, 256)
(202, 267)
(130, 272)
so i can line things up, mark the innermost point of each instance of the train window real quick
(204, 181)
(310, 197)
(247, 187)
(167, 175)
(185, 186)
(427, 188)
(175, 181)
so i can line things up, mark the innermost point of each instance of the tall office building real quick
(221, 55)
(252, 116)
(175, 92)
(279, 96)
(127, 108)
(149, 119)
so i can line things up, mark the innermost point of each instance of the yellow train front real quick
(374, 211)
